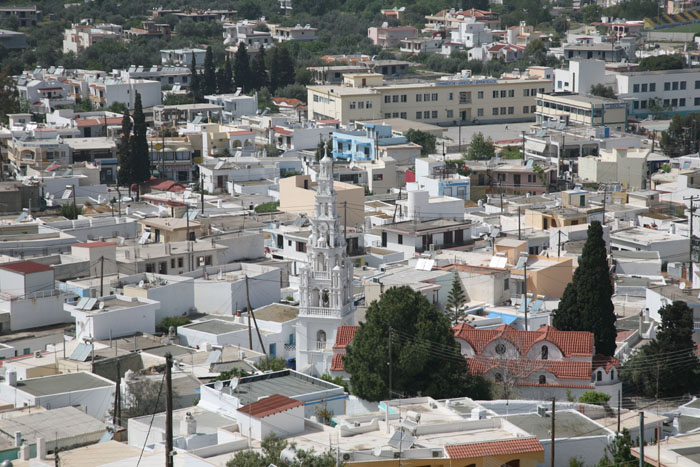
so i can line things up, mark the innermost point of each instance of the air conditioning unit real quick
(397, 455)
(437, 453)
(542, 410)
(37, 354)
(346, 456)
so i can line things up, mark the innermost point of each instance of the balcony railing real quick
(321, 275)
(320, 345)
(321, 311)
(290, 347)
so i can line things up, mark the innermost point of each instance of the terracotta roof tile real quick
(605, 362)
(344, 335)
(522, 367)
(494, 448)
(25, 267)
(276, 403)
(571, 343)
(337, 363)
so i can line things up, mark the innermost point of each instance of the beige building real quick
(447, 101)
(298, 194)
(170, 229)
(629, 166)
(581, 109)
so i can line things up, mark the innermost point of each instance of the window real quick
(395, 115)
(352, 105)
(533, 108)
(434, 114)
(506, 284)
(652, 87)
(321, 339)
(494, 111)
(526, 92)
(387, 115)
(451, 96)
(400, 240)
(369, 104)
(635, 88)
(180, 262)
(426, 114)
(361, 105)
(377, 177)
(395, 98)
(545, 352)
(480, 94)
(387, 99)
(419, 115)
(404, 98)
(404, 115)
(643, 104)
(543, 379)
(674, 86)
(697, 84)
(696, 101)
(479, 112)
(495, 94)
(503, 93)
(667, 86)
(450, 114)
(526, 109)
(635, 104)
(27, 350)
(419, 98)
(503, 110)
(682, 85)
(511, 110)
(511, 93)
(674, 102)
(435, 97)
(599, 376)
(612, 375)
(500, 348)
(301, 247)
(681, 102)
(426, 97)
(172, 262)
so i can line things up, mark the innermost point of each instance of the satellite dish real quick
(234, 383)
(681, 286)
(219, 385)
(101, 305)
(142, 284)
(377, 451)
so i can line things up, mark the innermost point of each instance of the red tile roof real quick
(94, 244)
(96, 121)
(287, 102)
(494, 448)
(25, 267)
(605, 362)
(337, 363)
(276, 403)
(563, 369)
(624, 334)
(165, 185)
(571, 343)
(344, 335)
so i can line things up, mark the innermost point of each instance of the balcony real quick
(320, 345)
(321, 275)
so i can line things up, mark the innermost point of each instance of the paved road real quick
(496, 132)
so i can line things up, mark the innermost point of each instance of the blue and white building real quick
(437, 179)
(364, 145)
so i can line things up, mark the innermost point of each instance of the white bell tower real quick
(325, 283)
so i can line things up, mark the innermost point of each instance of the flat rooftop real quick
(645, 236)
(66, 422)
(59, 384)
(277, 312)
(569, 425)
(174, 350)
(216, 327)
(285, 382)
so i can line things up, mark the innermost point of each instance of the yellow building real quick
(298, 194)
(446, 101)
(170, 229)
(582, 110)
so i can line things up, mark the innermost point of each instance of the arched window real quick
(543, 379)
(612, 375)
(498, 377)
(545, 352)
(599, 376)
(321, 339)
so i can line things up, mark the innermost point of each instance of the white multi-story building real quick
(234, 105)
(245, 32)
(167, 75)
(44, 95)
(105, 92)
(296, 33)
(82, 36)
(471, 33)
(675, 91)
(325, 284)
(182, 57)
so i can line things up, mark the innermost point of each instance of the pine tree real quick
(242, 75)
(124, 174)
(586, 304)
(209, 81)
(259, 70)
(195, 81)
(228, 77)
(281, 68)
(455, 300)
(139, 145)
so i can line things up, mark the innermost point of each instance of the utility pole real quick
(201, 190)
(250, 331)
(619, 408)
(559, 245)
(119, 202)
(102, 276)
(525, 294)
(390, 388)
(168, 410)
(345, 224)
(250, 313)
(554, 401)
(691, 215)
(605, 197)
(115, 415)
(641, 439)
(518, 222)
(189, 256)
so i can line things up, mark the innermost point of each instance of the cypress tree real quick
(139, 145)
(242, 76)
(286, 67)
(455, 299)
(124, 174)
(209, 81)
(273, 64)
(259, 70)
(227, 80)
(586, 304)
(195, 82)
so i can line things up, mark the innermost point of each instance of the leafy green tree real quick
(335, 380)
(242, 74)
(281, 68)
(594, 397)
(196, 84)
(178, 99)
(682, 136)
(175, 321)
(425, 140)
(480, 148)
(139, 146)
(259, 70)
(272, 448)
(618, 452)
(560, 24)
(69, 212)
(9, 97)
(536, 52)
(455, 300)
(586, 304)
(271, 364)
(425, 358)
(655, 368)
(660, 62)
(124, 174)
(270, 206)
(511, 152)
(591, 13)
(602, 90)
(320, 150)
(209, 78)
(292, 91)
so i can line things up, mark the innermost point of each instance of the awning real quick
(535, 146)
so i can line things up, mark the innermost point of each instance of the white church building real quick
(325, 283)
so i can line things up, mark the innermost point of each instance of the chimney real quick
(189, 425)
(41, 448)
(12, 378)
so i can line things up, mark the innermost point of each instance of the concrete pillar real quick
(24, 452)
(41, 448)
